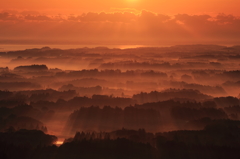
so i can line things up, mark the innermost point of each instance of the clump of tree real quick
(108, 118)
(156, 96)
(31, 68)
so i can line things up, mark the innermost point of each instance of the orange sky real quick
(159, 6)
(119, 21)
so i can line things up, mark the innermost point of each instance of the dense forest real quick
(178, 102)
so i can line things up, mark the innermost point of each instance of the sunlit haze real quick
(125, 22)
(119, 79)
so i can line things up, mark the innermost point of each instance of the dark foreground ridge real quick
(218, 140)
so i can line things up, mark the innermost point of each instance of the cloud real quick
(105, 17)
(147, 16)
(226, 19)
(119, 26)
(38, 18)
(5, 16)
(193, 19)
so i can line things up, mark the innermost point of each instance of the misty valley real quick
(178, 102)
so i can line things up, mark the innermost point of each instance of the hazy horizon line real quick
(16, 47)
